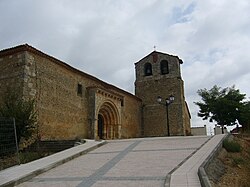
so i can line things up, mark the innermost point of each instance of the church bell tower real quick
(158, 74)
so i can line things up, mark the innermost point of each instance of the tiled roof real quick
(26, 47)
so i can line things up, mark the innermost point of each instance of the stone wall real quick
(61, 110)
(69, 101)
(149, 87)
(198, 131)
(154, 114)
(11, 73)
(62, 95)
(186, 119)
(64, 113)
(131, 118)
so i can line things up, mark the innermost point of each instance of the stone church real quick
(71, 104)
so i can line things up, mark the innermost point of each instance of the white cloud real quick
(105, 38)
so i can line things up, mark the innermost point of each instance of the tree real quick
(223, 105)
(14, 106)
(244, 118)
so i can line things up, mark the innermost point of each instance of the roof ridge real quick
(158, 52)
(27, 47)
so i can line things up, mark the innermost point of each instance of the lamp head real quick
(168, 101)
(159, 99)
(171, 98)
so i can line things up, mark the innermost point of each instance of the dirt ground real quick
(232, 169)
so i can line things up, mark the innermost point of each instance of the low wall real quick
(198, 131)
(202, 169)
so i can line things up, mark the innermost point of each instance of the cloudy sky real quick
(106, 37)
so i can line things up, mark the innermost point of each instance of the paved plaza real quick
(132, 163)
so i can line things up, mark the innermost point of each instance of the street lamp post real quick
(167, 102)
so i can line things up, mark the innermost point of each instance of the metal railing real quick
(8, 142)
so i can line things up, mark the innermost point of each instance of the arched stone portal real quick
(108, 122)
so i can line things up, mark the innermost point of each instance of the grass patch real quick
(29, 156)
(238, 160)
(231, 146)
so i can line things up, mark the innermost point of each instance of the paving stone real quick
(133, 162)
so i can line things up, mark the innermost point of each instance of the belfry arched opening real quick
(109, 125)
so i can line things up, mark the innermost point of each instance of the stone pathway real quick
(131, 162)
(186, 174)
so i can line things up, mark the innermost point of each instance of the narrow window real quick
(164, 67)
(79, 90)
(147, 69)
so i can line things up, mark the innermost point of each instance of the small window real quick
(147, 69)
(164, 67)
(79, 90)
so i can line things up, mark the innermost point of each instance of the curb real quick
(168, 177)
(204, 180)
(45, 168)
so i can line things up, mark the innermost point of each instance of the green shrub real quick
(238, 161)
(23, 110)
(231, 146)
(29, 156)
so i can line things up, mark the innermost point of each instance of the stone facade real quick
(72, 105)
(158, 74)
(68, 101)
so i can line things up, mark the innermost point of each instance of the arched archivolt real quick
(108, 123)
